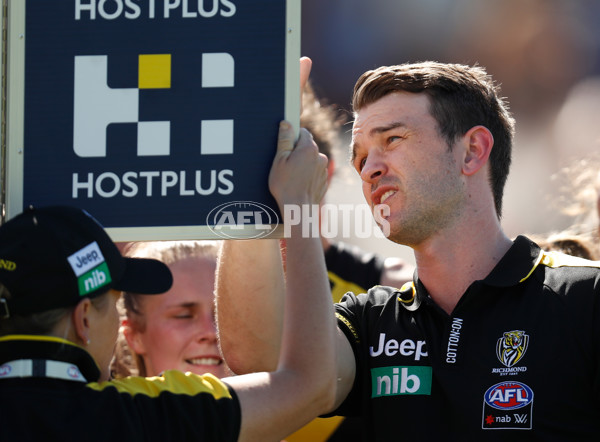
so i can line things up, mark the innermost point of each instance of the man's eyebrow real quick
(382, 129)
(375, 131)
(353, 151)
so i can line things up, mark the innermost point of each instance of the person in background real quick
(175, 330)
(576, 195)
(567, 242)
(579, 195)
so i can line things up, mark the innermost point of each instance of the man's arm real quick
(250, 274)
(275, 404)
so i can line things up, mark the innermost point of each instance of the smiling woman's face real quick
(180, 331)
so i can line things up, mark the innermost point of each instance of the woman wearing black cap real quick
(60, 278)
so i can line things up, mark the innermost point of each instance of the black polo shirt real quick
(49, 393)
(518, 359)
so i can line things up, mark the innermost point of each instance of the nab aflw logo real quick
(96, 105)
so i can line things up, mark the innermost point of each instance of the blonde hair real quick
(578, 186)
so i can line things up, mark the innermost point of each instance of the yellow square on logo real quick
(154, 71)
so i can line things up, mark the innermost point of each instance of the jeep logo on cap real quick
(86, 259)
(89, 267)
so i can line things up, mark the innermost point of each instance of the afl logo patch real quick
(5, 370)
(508, 405)
(508, 395)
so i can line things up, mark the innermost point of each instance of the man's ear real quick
(479, 142)
(133, 337)
(81, 320)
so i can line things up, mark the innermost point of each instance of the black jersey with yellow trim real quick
(518, 359)
(175, 406)
(351, 269)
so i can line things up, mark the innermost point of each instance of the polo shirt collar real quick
(516, 265)
(15, 347)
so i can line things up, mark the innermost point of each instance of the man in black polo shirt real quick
(494, 339)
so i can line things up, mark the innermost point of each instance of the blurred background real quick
(544, 53)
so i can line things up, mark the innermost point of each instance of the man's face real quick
(405, 164)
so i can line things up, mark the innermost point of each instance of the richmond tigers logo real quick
(512, 347)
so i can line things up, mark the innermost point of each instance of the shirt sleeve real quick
(346, 315)
(352, 314)
(177, 406)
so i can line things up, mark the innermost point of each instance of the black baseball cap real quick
(53, 257)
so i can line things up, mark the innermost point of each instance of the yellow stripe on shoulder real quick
(341, 287)
(171, 381)
(557, 259)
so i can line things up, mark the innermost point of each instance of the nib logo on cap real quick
(90, 268)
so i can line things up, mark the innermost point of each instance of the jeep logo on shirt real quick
(391, 347)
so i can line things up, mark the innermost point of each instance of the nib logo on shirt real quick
(392, 381)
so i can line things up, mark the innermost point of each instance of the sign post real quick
(159, 117)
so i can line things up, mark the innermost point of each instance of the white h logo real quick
(96, 105)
